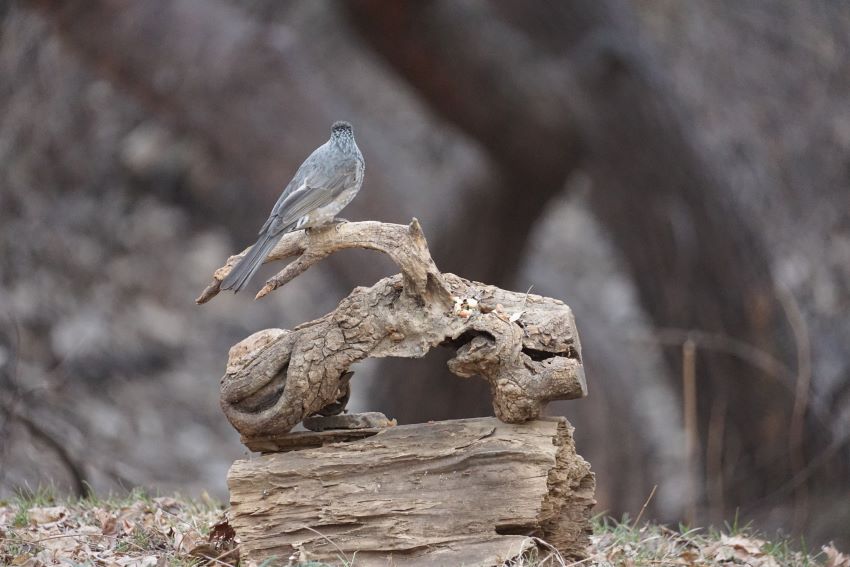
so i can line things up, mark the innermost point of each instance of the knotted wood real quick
(526, 346)
(465, 492)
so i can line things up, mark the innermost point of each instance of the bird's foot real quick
(338, 222)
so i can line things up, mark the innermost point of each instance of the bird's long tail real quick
(251, 262)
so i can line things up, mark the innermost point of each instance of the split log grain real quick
(464, 492)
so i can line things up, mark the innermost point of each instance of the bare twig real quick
(9, 371)
(552, 549)
(714, 458)
(645, 504)
(718, 342)
(801, 400)
(219, 559)
(689, 396)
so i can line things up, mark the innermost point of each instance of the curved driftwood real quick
(525, 345)
(405, 245)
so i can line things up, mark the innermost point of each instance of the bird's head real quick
(342, 128)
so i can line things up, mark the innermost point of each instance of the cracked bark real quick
(526, 346)
(464, 492)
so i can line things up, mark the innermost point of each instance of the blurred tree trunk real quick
(532, 147)
(564, 80)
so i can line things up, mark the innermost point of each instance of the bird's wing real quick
(297, 183)
(317, 190)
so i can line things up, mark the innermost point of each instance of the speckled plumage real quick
(324, 184)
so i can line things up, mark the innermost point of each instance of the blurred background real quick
(676, 171)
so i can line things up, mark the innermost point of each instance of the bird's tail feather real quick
(251, 262)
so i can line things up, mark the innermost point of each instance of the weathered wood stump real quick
(465, 492)
(525, 345)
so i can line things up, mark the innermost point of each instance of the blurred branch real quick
(9, 383)
(80, 483)
(719, 343)
(689, 418)
(801, 402)
(817, 462)
(10, 413)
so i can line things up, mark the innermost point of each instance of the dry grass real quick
(622, 543)
(135, 530)
(138, 530)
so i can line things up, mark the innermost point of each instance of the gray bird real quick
(324, 184)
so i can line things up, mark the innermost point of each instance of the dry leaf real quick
(222, 544)
(743, 544)
(222, 533)
(835, 558)
(740, 550)
(167, 503)
(108, 522)
(688, 557)
(26, 561)
(47, 515)
(184, 542)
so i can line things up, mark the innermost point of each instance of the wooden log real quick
(462, 492)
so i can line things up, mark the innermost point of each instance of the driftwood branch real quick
(525, 345)
(405, 245)
(467, 492)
